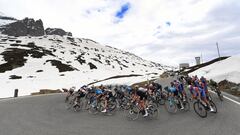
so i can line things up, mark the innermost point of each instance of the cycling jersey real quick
(195, 90)
(196, 83)
(108, 94)
(80, 94)
(204, 84)
(180, 87)
(141, 94)
(202, 92)
(173, 90)
(98, 91)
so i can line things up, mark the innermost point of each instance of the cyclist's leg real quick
(204, 98)
(105, 104)
(177, 95)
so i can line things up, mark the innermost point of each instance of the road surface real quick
(47, 115)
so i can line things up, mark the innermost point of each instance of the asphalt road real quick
(47, 115)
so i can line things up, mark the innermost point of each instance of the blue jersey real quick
(196, 83)
(180, 87)
(172, 89)
(98, 91)
(202, 92)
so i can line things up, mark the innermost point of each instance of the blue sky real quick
(164, 31)
(123, 10)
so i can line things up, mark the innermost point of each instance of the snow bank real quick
(228, 69)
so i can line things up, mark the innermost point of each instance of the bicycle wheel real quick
(112, 108)
(93, 108)
(200, 109)
(78, 107)
(220, 96)
(153, 112)
(69, 104)
(132, 113)
(186, 105)
(160, 100)
(170, 106)
(86, 104)
(126, 105)
(213, 106)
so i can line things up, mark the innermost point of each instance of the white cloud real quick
(196, 25)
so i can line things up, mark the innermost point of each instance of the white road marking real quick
(228, 98)
(232, 100)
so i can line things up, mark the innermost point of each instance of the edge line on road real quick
(227, 98)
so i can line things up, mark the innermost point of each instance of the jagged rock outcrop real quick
(25, 27)
(57, 31)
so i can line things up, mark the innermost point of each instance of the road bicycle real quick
(173, 103)
(133, 112)
(97, 106)
(201, 108)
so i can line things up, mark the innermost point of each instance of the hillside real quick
(51, 61)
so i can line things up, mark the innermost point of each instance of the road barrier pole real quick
(16, 93)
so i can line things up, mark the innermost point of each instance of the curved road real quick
(46, 115)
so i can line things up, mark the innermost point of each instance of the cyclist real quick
(196, 81)
(151, 89)
(128, 90)
(70, 93)
(180, 85)
(80, 94)
(199, 92)
(174, 92)
(96, 96)
(107, 95)
(157, 86)
(140, 95)
(204, 81)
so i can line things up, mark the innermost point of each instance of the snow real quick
(51, 78)
(5, 21)
(228, 69)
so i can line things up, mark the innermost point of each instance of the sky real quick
(164, 31)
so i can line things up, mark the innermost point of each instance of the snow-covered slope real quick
(55, 62)
(5, 19)
(228, 69)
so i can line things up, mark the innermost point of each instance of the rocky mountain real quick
(27, 27)
(45, 60)
(57, 31)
